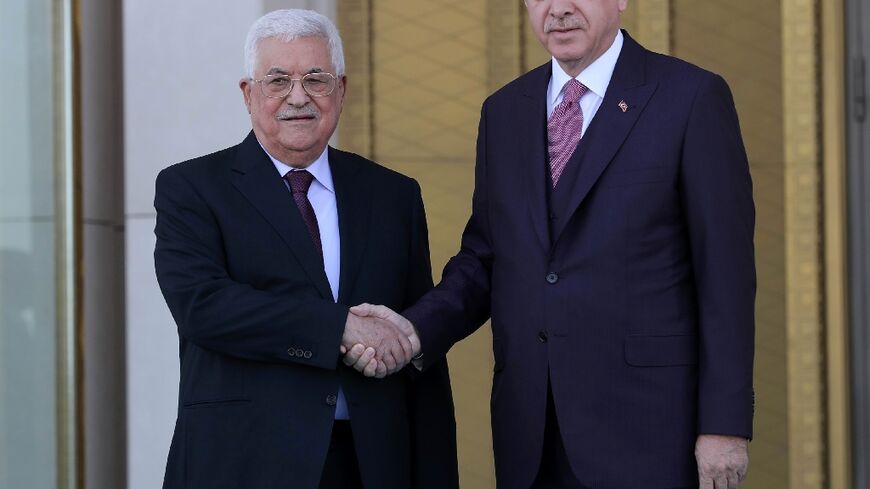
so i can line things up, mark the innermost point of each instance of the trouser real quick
(341, 470)
(555, 471)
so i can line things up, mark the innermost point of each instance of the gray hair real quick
(289, 25)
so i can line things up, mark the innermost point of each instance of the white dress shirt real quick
(321, 194)
(596, 77)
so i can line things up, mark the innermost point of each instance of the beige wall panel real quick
(430, 79)
(533, 54)
(447, 189)
(504, 35)
(354, 130)
(430, 74)
(741, 40)
(630, 17)
(652, 23)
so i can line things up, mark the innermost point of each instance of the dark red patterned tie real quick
(299, 182)
(564, 128)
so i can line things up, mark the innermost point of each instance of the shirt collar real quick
(596, 76)
(319, 169)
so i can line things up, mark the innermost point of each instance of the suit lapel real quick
(611, 125)
(254, 175)
(533, 136)
(352, 194)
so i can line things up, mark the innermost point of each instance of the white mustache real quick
(563, 23)
(287, 114)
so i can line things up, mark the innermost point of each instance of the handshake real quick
(377, 341)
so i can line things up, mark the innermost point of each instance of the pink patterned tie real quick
(564, 127)
(299, 182)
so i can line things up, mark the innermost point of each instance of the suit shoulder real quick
(519, 85)
(201, 165)
(379, 174)
(678, 72)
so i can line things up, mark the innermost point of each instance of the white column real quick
(182, 65)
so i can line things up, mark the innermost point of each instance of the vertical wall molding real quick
(103, 264)
(839, 424)
(653, 23)
(504, 36)
(354, 21)
(803, 248)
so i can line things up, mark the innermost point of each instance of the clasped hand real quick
(377, 341)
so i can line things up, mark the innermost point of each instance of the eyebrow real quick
(280, 71)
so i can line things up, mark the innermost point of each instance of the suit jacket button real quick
(331, 400)
(300, 352)
(306, 355)
(542, 336)
(552, 278)
(291, 352)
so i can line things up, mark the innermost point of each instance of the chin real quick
(568, 54)
(298, 142)
(297, 146)
(565, 49)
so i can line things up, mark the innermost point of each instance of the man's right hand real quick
(364, 359)
(383, 342)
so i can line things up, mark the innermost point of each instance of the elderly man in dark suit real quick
(260, 249)
(611, 243)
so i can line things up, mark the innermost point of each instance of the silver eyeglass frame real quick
(293, 84)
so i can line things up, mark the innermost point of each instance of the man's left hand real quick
(722, 461)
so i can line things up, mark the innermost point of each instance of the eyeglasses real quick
(314, 84)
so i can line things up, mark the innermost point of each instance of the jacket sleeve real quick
(716, 191)
(430, 400)
(460, 303)
(217, 313)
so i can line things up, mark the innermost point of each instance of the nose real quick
(561, 8)
(297, 97)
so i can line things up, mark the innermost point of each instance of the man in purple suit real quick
(611, 243)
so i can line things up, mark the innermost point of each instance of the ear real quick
(342, 88)
(246, 85)
(623, 4)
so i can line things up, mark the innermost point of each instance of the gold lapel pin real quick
(623, 106)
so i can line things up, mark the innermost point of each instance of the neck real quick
(296, 159)
(574, 67)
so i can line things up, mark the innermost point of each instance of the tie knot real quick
(299, 180)
(574, 90)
